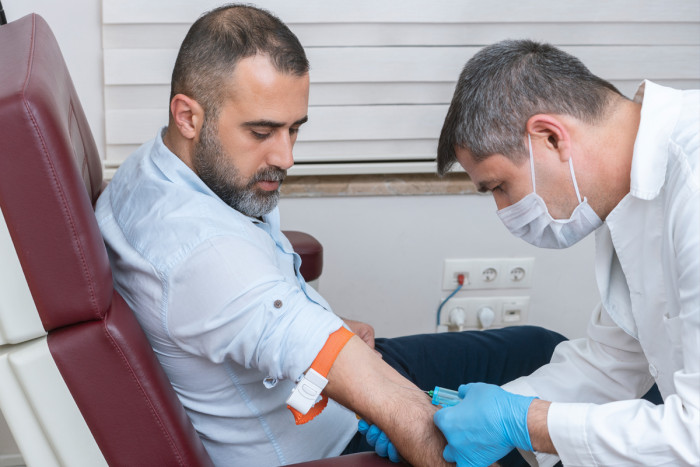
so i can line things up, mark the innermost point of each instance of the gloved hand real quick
(379, 440)
(485, 426)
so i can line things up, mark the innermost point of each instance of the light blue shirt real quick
(221, 299)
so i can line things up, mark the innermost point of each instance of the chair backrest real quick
(56, 280)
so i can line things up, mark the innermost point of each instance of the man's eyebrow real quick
(274, 124)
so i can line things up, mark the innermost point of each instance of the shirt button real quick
(270, 382)
(278, 304)
(653, 371)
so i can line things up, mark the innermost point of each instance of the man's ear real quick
(552, 132)
(187, 116)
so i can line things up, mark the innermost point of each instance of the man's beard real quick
(216, 169)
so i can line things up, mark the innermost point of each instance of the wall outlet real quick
(484, 273)
(472, 312)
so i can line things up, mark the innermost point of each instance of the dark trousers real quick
(494, 356)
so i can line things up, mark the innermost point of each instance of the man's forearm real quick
(537, 426)
(363, 382)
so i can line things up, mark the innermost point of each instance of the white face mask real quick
(530, 220)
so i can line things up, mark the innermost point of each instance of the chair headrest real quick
(50, 176)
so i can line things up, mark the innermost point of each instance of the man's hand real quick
(485, 426)
(362, 330)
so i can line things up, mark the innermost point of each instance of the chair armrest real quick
(311, 252)
(361, 459)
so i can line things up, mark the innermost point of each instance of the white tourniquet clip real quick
(307, 391)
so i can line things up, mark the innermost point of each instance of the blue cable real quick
(459, 286)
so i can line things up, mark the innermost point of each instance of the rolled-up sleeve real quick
(230, 298)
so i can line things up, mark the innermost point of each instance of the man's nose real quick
(282, 155)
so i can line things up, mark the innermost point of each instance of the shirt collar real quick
(660, 109)
(174, 168)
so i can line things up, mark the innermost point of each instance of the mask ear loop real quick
(571, 168)
(532, 164)
(573, 177)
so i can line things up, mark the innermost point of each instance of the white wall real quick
(383, 259)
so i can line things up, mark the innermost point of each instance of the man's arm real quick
(363, 382)
(363, 330)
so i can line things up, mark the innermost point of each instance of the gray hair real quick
(504, 85)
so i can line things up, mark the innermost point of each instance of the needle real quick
(430, 393)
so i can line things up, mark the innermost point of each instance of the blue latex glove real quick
(379, 440)
(485, 426)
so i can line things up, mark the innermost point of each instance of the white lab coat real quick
(647, 327)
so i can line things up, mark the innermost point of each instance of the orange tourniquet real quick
(322, 364)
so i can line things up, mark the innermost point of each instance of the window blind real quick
(383, 73)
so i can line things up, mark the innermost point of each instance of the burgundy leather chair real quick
(79, 382)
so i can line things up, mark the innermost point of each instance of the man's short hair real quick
(219, 39)
(504, 85)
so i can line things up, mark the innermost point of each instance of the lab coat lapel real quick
(612, 285)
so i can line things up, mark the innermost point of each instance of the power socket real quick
(489, 273)
(472, 312)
